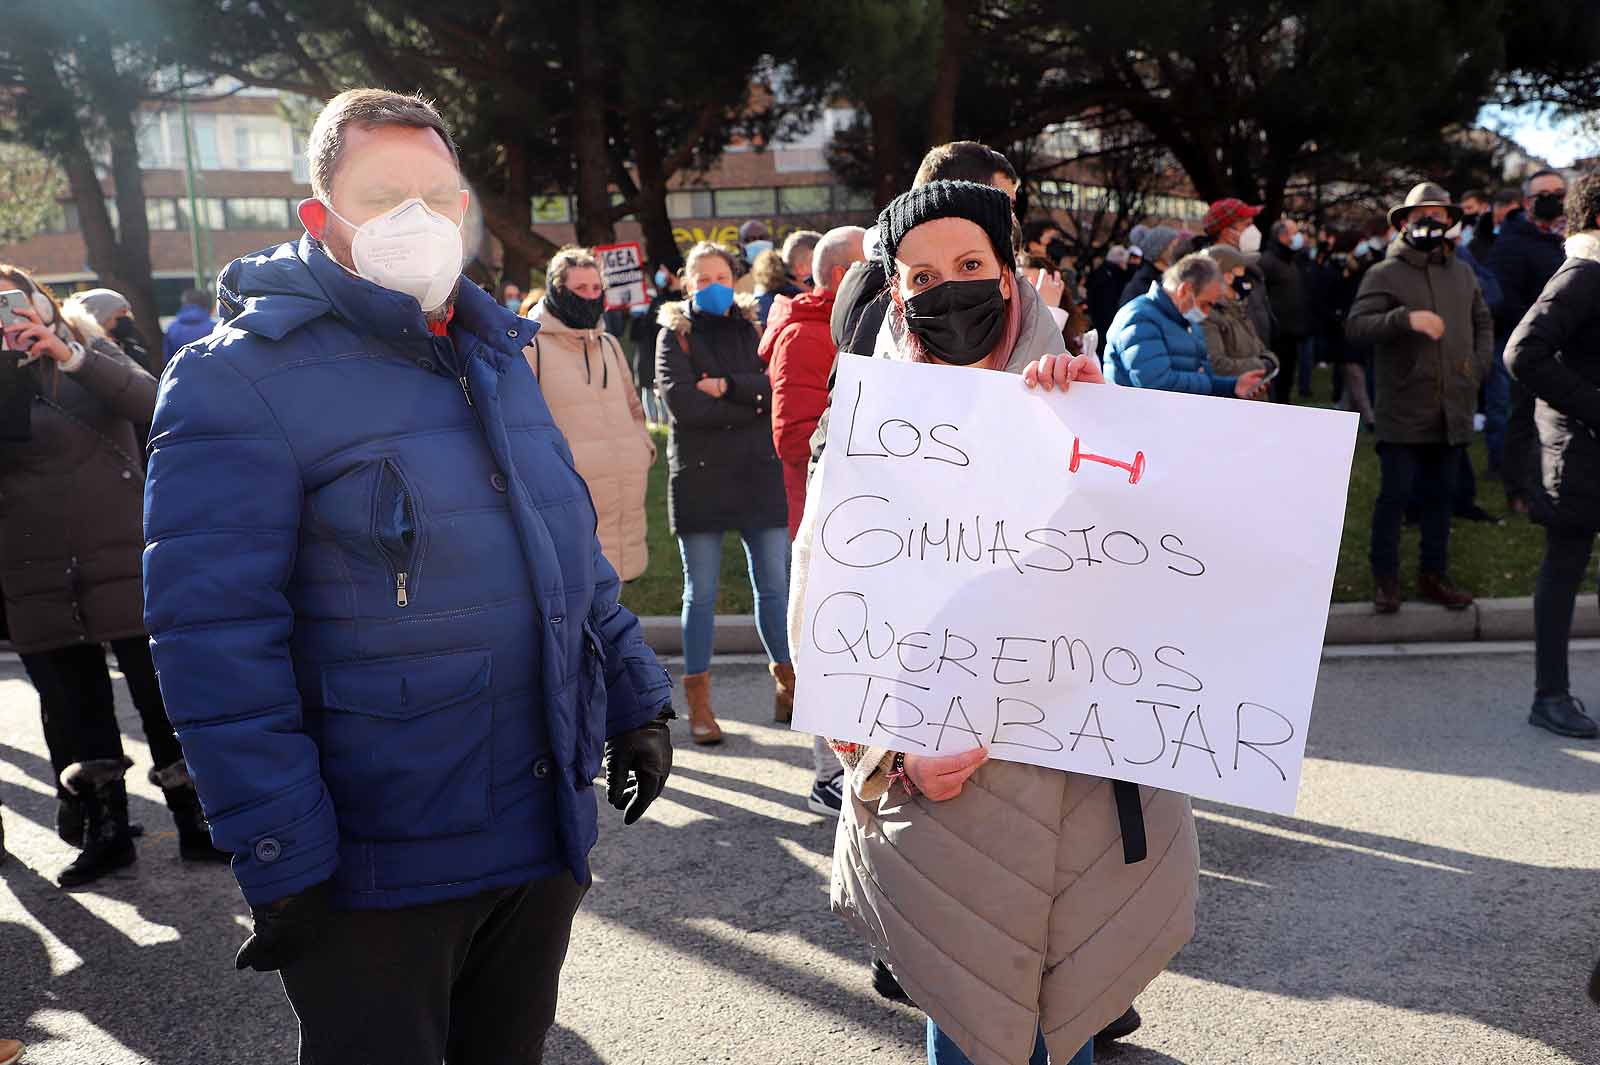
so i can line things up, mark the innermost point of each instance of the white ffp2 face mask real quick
(410, 248)
(1250, 240)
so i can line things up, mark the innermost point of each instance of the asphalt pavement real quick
(1436, 900)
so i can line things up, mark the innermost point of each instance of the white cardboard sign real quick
(1115, 581)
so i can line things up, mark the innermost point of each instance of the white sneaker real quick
(826, 799)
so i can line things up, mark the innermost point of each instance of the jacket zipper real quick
(399, 568)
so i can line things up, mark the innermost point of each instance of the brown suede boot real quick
(1436, 588)
(703, 727)
(783, 696)
(1386, 597)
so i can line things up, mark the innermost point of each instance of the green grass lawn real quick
(1487, 560)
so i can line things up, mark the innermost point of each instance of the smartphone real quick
(10, 300)
(1272, 370)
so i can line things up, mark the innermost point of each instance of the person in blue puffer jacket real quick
(385, 631)
(1155, 341)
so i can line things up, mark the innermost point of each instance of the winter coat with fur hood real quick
(585, 380)
(724, 473)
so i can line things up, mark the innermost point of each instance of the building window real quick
(689, 203)
(209, 210)
(798, 160)
(260, 142)
(203, 128)
(161, 214)
(745, 203)
(848, 199)
(805, 199)
(155, 149)
(252, 213)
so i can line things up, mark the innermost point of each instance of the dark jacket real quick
(1524, 257)
(1138, 284)
(1427, 390)
(386, 634)
(859, 306)
(1152, 345)
(724, 473)
(1555, 353)
(1104, 289)
(1488, 284)
(191, 324)
(71, 499)
(1286, 290)
(1233, 346)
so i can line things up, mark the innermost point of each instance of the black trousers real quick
(471, 981)
(1286, 349)
(1428, 472)
(1520, 468)
(1566, 557)
(79, 710)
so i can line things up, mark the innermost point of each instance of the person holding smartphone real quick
(71, 504)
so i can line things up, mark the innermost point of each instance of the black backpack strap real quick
(1130, 815)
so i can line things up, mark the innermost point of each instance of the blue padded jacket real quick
(385, 632)
(1152, 345)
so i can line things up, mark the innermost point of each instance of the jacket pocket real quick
(591, 696)
(405, 744)
(396, 529)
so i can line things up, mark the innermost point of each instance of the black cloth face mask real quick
(1057, 250)
(573, 309)
(1425, 236)
(1549, 206)
(1242, 285)
(960, 322)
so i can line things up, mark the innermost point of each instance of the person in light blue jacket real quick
(385, 631)
(1155, 340)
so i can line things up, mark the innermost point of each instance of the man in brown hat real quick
(1433, 338)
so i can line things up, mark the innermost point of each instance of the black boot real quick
(194, 836)
(1563, 715)
(1121, 1028)
(884, 983)
(107, 842)
(69, 818)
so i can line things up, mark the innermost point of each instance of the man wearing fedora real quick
(1433, 339)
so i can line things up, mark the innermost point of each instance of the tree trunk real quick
(590, 149)
(516, 265)
(953, 40)
(883, 112)
(659, 245)
(511, 223)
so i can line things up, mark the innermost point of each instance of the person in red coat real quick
(799, 351)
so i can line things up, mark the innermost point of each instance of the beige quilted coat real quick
(1009, 907)
(586, 381)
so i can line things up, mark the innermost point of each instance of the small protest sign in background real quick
(622, 268)
(1120, 582)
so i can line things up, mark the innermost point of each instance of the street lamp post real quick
(202, 273)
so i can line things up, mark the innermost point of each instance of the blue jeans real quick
(941, 1051)
(767, 552)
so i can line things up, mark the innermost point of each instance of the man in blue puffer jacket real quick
(386, 634)
(1154, 341)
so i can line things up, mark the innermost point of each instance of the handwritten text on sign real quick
(1120, 582)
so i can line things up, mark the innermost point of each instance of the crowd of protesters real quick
(254, 503)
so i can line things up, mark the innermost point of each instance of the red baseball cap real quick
(1225, 213)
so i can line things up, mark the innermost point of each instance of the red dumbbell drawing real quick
(1135, 468)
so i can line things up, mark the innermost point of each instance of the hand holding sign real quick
(1139, 613)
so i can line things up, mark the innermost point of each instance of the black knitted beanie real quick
(985, 206)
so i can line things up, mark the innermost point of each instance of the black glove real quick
(285, 928)
(643, 754)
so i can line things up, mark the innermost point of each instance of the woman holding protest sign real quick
(725, 474)
(997, 891)
(585, 379)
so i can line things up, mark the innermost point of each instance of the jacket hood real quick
(272, 293)
(678, 315)
(1584, 245)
